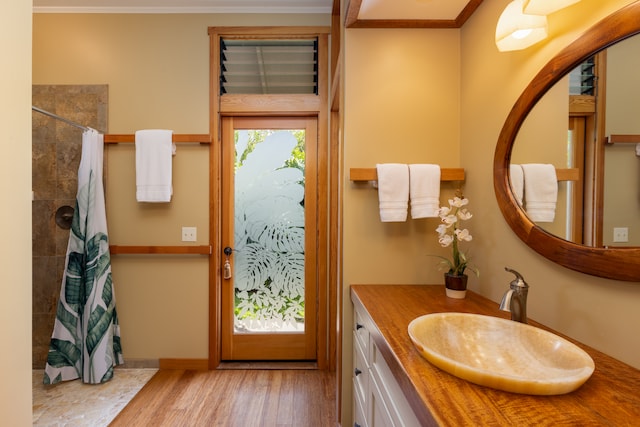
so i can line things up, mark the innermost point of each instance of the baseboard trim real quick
(190, 364)
(139, 364)
(267, 365)
(203, 365)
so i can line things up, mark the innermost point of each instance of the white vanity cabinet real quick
(378, 400)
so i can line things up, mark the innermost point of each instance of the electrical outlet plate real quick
(189, 234)
(620, 234)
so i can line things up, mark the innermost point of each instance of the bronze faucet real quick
(515, 299)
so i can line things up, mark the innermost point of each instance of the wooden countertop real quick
(611, 397)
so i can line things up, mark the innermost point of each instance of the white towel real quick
(393, 191)
(516, 179)
(153, 165)
(424, 193)
(540, 191)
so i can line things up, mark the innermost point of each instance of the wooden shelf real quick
(572, 174)
(453, 174)
(160, 250)
(622, 139)
(177, 138)
(371, 174)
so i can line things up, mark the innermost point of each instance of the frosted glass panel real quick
(269, 231)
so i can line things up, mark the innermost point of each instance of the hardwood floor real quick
(242, 398)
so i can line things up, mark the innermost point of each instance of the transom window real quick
(250, 66)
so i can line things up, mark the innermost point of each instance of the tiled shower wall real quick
(56, 154)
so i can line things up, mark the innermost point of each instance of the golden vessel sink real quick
(500, 353)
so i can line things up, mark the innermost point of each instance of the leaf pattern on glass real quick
(269, 229)
(253, 264)
(282, 236)
(288, 274)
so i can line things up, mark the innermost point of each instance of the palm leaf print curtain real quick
(86, 337)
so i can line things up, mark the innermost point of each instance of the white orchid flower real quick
(464, 214)
(458, 202)
(445, 240)
(450, 219)
(442, 229)
(463, 235)
(443, 211)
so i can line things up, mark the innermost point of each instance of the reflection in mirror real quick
(553, 126)
(568, 128)
(621, 163)
(543, 138)
(563, 129)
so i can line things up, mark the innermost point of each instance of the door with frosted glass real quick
(269, 233)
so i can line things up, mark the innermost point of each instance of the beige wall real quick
(15, 216)
(401, 105)
(157, 69)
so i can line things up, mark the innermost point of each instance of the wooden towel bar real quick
(571, 174)
(160, 250)
(371, 174)
(622, 139)
(177, 138)
(455, 174)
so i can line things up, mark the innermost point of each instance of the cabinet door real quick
(361, 373)
(398, 407)
(380, 415)
(361, 331)
(359, 418)
(378, 400)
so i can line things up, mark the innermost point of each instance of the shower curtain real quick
(86, 336)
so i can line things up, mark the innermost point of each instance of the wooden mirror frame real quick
(611, 263)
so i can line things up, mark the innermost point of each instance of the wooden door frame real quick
(277, 345)
(269, 105)
(577, 124)
(592, 109)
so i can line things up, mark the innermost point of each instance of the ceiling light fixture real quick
(516, 30)
(545, 7)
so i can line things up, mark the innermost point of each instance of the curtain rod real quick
(57, 117)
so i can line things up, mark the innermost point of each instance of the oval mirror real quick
(598, 260)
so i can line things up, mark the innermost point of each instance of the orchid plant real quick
(450, 233)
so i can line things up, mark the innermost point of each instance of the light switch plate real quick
(189, 234)
(620, 234)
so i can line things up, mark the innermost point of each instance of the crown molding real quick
(185, 10)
